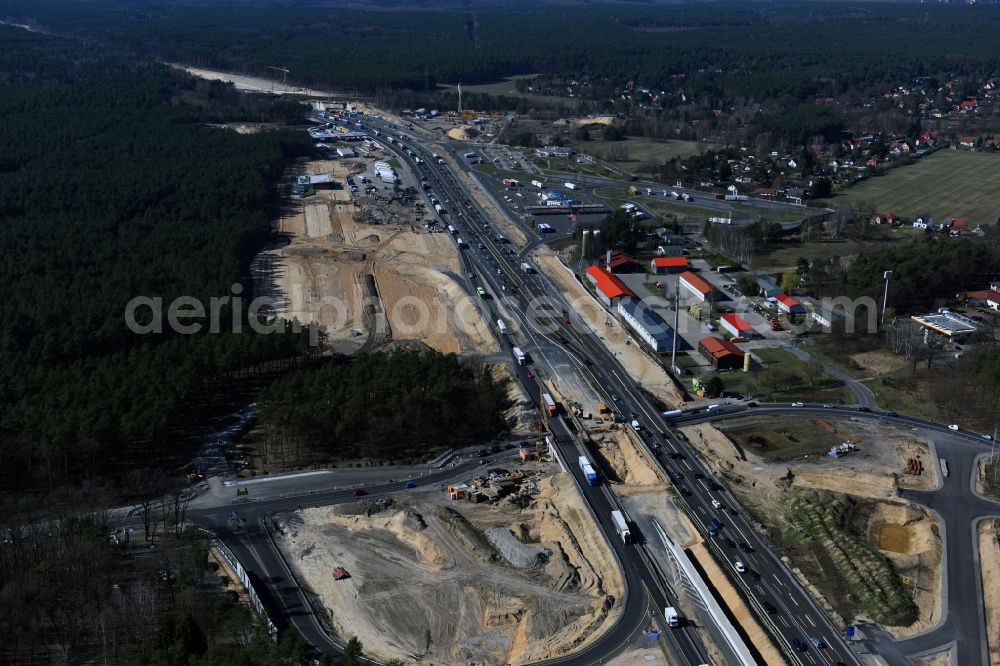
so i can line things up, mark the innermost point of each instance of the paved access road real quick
(959, 510)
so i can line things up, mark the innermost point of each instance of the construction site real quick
(864, 552)
(507, 568)
(368, 266)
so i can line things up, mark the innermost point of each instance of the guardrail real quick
(244, 578)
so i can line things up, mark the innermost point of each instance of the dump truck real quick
(588, 471)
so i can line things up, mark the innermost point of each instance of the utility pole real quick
(885, 296)
(677, 318)
(459, 98)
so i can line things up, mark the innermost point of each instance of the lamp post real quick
(885, 295)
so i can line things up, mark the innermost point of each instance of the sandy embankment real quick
(369, 284)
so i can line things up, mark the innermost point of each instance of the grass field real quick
(781, 439)
(946, 184)
(640, 149)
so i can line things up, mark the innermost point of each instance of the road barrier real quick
(244, 578)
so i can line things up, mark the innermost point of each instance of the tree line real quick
(785, 52)
(111, 188)
(391, 406)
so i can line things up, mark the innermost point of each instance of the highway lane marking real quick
(801, 621)
(784, 621)
(809, 617)
(792, 597)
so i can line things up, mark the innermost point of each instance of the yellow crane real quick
(284, 73)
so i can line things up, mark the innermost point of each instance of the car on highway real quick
(409, 484)
(754, 574)
(987, 437)
(893, 414)
(358, 492)
(769, 608)
(953, 426)
(746, 548)
(798, 404)
(799, 645)
(716, 504)
(730, 543)
(828, 406)
(817, 642)
(752, 403)
(739, 566)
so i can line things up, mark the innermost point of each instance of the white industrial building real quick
(650, 326)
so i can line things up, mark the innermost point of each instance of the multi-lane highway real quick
(551, 326)
(519, 298)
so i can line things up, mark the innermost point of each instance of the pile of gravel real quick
(518, 553)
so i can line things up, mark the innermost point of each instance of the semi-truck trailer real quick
(550, 404)
(588, 471)
(672, 413)
(621, 527)
(510, 182)
(519, 355)
(671, 616)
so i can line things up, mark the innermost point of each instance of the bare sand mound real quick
(463, 133)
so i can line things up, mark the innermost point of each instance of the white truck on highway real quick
(501, 326)
(671, 616)
(570, 186)
(519, 355)
(621, 526)
(537, 183)
(588, 470)
(636, 425)
(526, 268)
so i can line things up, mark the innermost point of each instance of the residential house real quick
(923, 221)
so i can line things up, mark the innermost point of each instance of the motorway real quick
(519, 298)
(551, 323)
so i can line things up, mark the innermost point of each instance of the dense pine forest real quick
(760, 50)
(382, 406)
(110, 188)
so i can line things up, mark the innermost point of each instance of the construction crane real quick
(284, 73)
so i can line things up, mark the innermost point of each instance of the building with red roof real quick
(736, 326)
(695, 285)
(788, 304)
(609, 288)
(661, 265)
(723, 353)
(620, 262)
